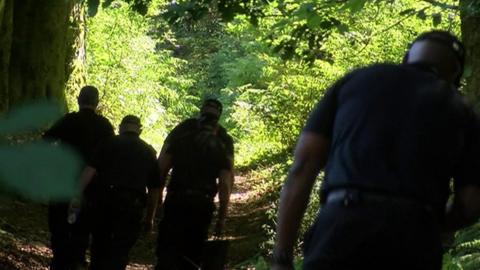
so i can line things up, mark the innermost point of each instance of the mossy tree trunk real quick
(470, 18)
(76, 55)
(6, 28)
(36, 41)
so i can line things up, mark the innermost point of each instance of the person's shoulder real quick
(142, 145)
(103, 122)
(223, 134)
(71, 116)
(102, 119)
(69, 119)
(422, 73)
(188, 123)
(398, 75)
(114, 139)
(376, 67)
(61, 125)
(364, 72)
(149, 148)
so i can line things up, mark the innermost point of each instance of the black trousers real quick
(379, 236)
(116, 223)
(68, 242)
(183, 231)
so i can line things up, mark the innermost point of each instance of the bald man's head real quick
(440, 51)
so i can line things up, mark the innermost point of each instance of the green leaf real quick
(40, 171)
(407, 12)
(436, 19)
(30, 117)
(342, 28)
(288, 52)
(282, 23)
(93, 7)
(106, 3)
(421, 14)
(140, 6)
(355, 5)
(254, 20)
(304, 11)
(314, 20)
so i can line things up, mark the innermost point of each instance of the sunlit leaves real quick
(140, 6)
(421, 14)
(302, 27)
(355, 5)
(407, 11)
(228, 9)
(436, 19)
(134, 74)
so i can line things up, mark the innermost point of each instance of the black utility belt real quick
(123, 190)
(191, 193)
(349, 197)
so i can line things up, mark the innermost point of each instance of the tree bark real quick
(470, 23)
(76, 55)
(39, 39)
(6, 28)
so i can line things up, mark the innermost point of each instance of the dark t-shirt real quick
(126, 161)
(197, 158)
(398, 130)
(83, 130)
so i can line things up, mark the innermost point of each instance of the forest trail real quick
(24, 235)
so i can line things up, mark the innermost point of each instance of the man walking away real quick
(391, 137)
(83, 131)
(127, 180)
(199, 151)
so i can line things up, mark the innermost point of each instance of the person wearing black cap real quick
(391, 138)
(83, 131)
(199, 151)
(127, 181)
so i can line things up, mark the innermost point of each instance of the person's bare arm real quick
(86, 177)
(165, 165)
(225, 184)
(310, 156)
(465, 208)
(156, 196)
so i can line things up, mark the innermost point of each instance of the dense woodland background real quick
(268, 61)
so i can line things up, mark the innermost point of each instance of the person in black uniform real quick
(198, 151)
(391, 138)
(83, 131)
(127, 181)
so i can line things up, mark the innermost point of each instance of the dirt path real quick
(244, 225)
(24, 234)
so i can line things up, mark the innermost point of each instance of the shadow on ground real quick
(24, 236)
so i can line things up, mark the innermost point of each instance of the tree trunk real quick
(470, 18)
(38, 41)
(76, 55)
(6, 28)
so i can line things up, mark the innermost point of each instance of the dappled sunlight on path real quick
(24, 236)
(246, 216)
